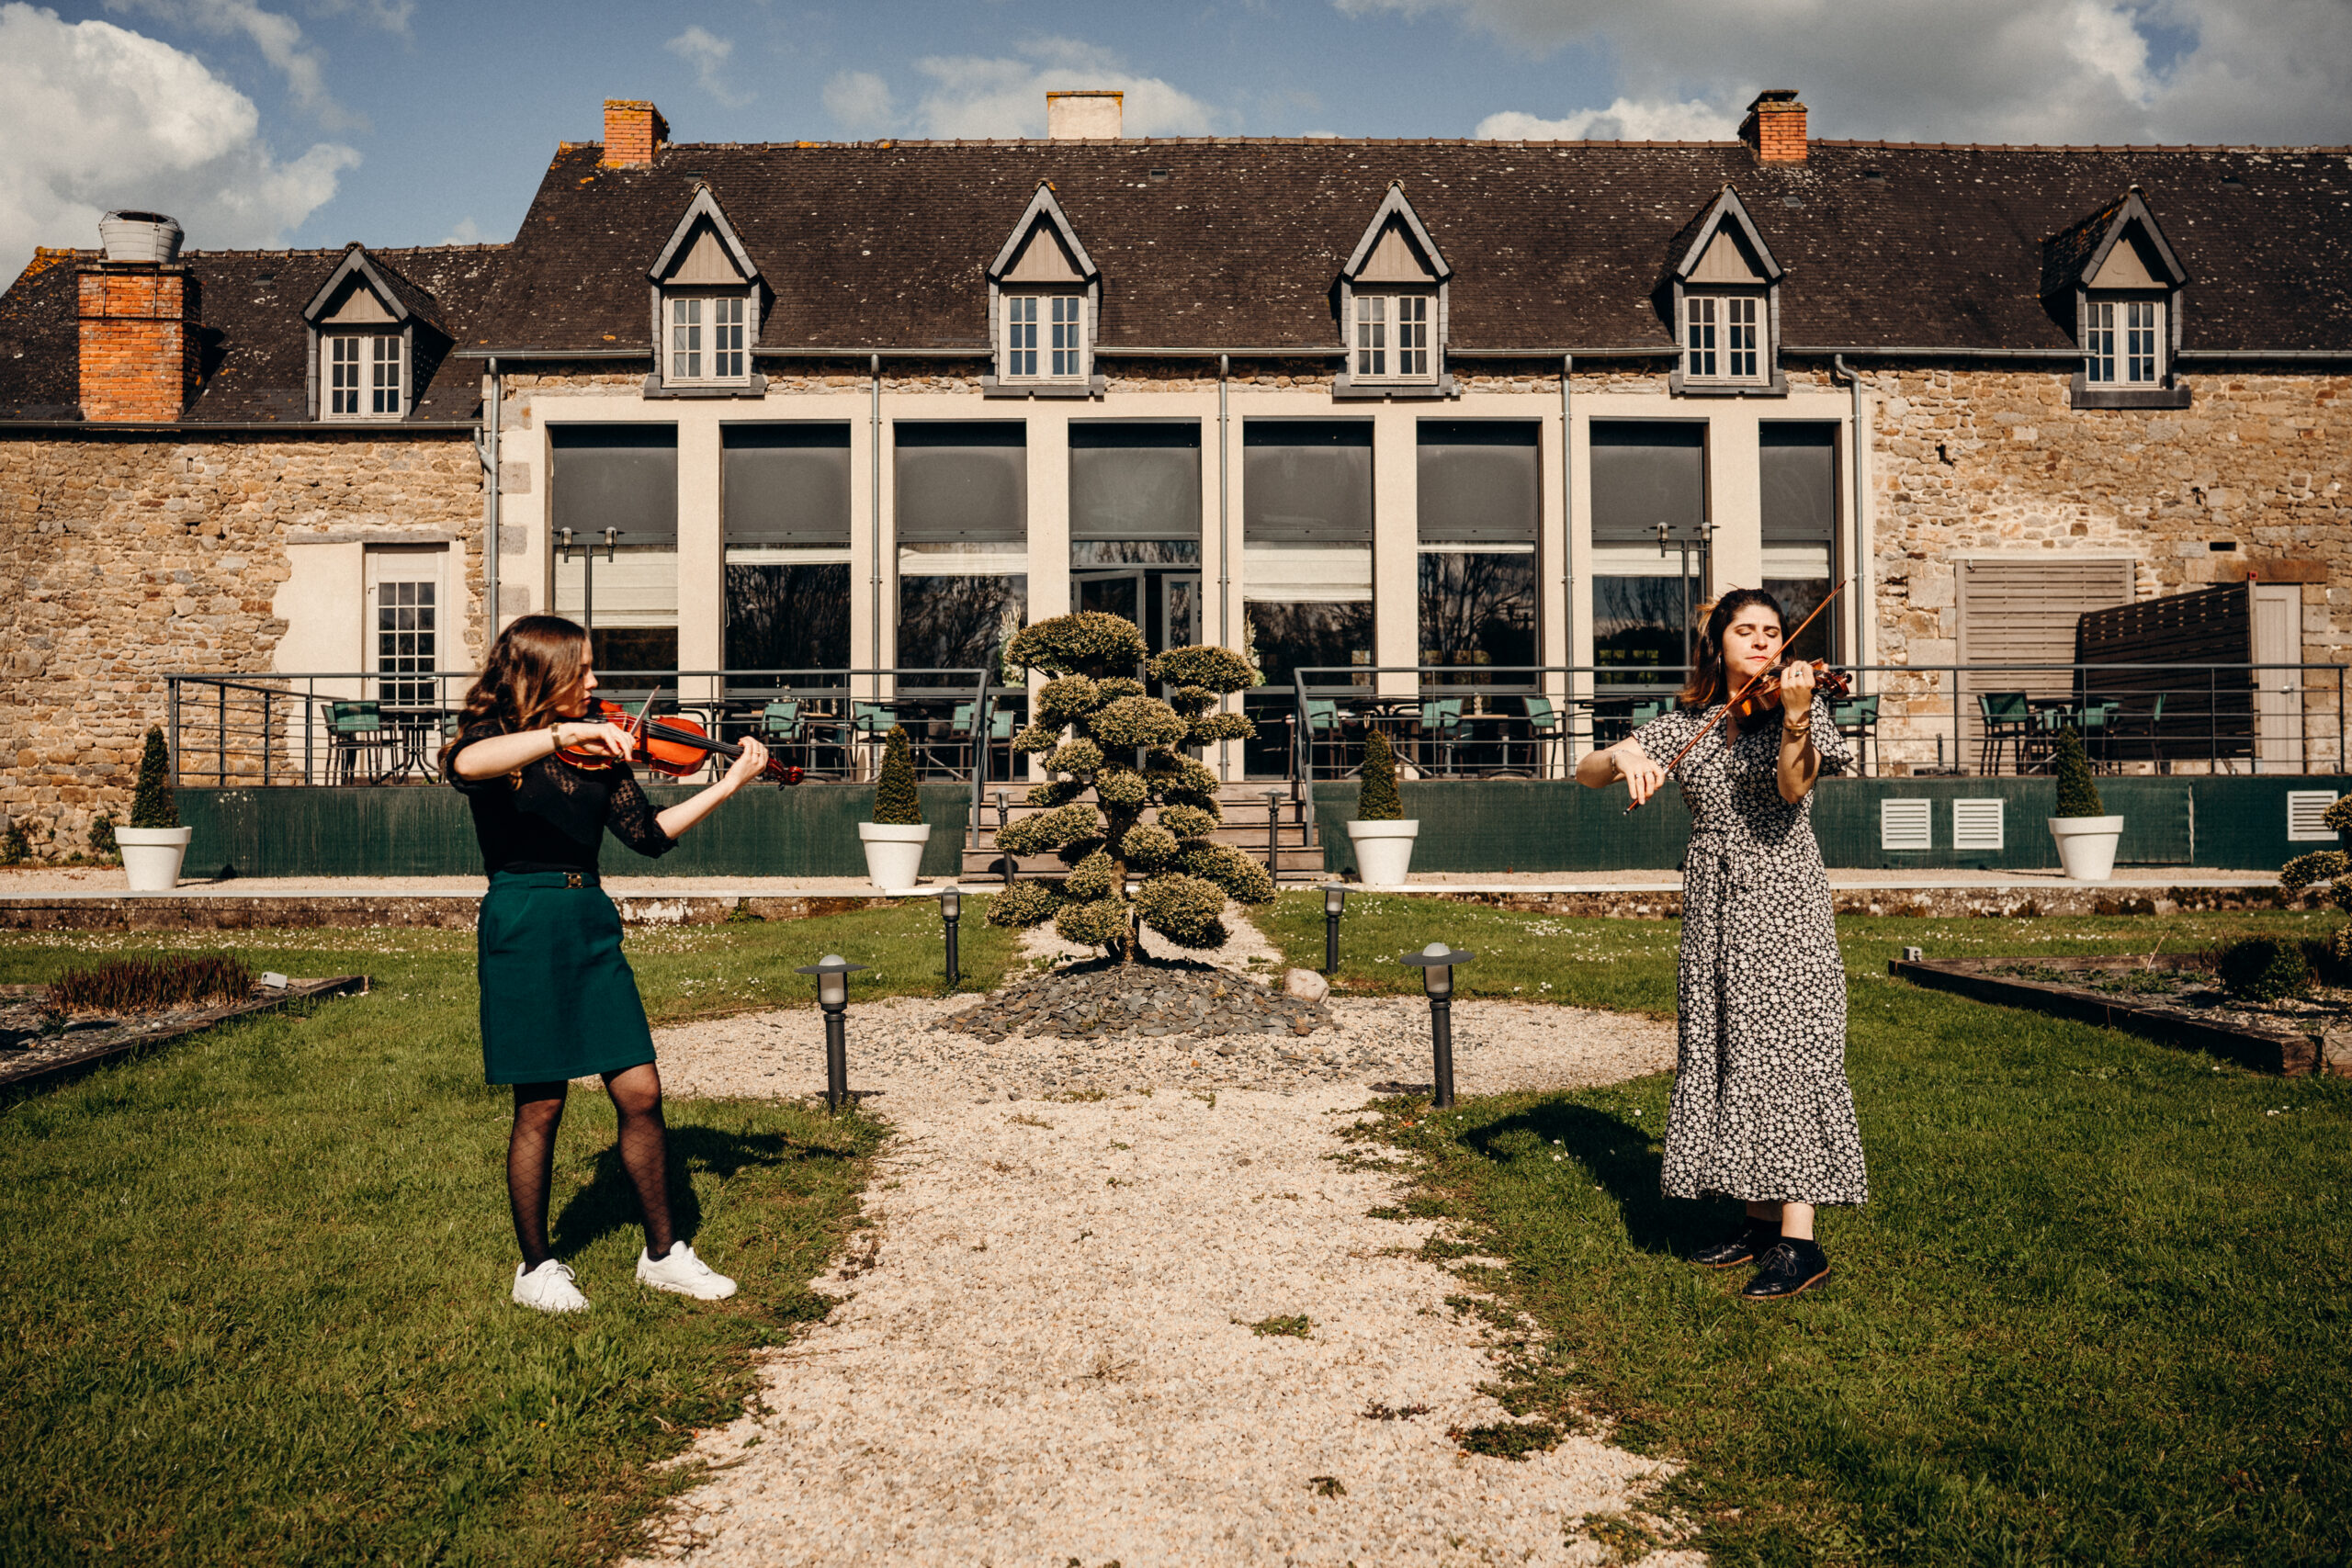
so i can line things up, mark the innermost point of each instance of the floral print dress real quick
(1762, 1111)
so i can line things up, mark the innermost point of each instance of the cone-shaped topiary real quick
(1092, 719)
(2077, 795)
(1376, 800)
(897, 803)
(152, 803)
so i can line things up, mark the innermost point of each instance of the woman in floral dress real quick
(1761, 1112)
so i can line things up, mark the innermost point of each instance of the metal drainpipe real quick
(1224, 545)
(1567, 532)
(876, 421)
(490, 523)
(1862, 591)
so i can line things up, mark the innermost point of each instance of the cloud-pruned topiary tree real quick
(1094, 722)
(2331, 867)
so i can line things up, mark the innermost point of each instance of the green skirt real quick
(557, 999)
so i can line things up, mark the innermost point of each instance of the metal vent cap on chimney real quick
(1091, 116)
(139, 237)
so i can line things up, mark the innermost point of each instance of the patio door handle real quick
(563, 536)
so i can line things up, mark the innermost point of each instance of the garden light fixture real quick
(832, 973)
(951, 909)
(1436, 963)
(1335, 904)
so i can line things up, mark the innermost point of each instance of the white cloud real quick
(859, 101)
(974, 97)
(464, 231)
(96, 117)
(2037, 70)
(707, 53)
(278, 37)
(1624, 121)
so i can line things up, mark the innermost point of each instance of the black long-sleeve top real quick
(551, 816)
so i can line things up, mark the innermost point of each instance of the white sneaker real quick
(548, 1288)
(684, 1272)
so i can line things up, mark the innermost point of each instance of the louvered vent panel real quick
(2306, 815)
(1906, 824)
(1976, 824)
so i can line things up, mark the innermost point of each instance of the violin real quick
(1759, 697)
(672, 746)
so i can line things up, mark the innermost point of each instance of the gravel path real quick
(1042, 1354)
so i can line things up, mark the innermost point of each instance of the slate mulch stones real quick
(39, 1046)
(1104, 1000)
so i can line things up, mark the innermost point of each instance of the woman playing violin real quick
(1761, 1110)
(557, 999)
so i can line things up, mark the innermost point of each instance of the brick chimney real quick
(1083, 117)
(633, 130)
(138, 322)
(1774, 129)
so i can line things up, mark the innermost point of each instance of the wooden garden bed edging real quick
(43, 1066)
(2287, 1052)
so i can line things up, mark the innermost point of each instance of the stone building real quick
(1368, 404)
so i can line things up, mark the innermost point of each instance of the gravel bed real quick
(1043, 1353)
(1103, 998)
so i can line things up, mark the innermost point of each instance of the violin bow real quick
(1734, 702)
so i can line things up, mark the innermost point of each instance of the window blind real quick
(1478, 481)
(785, 484)
(617, 476)
(963, 482)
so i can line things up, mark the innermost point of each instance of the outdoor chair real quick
(2008, 720)
(1323, 728)
(870, 724)
(1857, 720)
(2146, 724)
(1547, 728)
(1440, 722)
(359, 745)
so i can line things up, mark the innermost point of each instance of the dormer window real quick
(707, 308)
(1393, 307)
(1044, 297)
(1725, 288)
(363, 375)
(375, 337)
(2120, 282)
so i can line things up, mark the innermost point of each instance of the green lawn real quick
(258, 1309)
(2095, 1312)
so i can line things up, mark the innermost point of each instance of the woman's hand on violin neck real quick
(1796, 688)
(582, 734)
(749, 765)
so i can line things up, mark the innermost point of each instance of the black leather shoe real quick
(1790, 1269)
(1753, 1239)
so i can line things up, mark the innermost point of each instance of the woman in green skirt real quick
(559, 1001)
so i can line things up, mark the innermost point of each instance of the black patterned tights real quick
(644, 1150)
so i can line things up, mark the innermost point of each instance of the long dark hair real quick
(534, 665)
(1708, 684)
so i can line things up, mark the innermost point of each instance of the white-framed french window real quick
(708, 338)
(365, 374)
(1044, 337)
(2123, 342)
(1392, 337)
(404, 611)
(1723, 337)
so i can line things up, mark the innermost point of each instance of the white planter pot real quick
(2087, 846)
(893, 853)
(151, 856)
(1383, 850)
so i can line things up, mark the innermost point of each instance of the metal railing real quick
(1915, 719)
(345, 727)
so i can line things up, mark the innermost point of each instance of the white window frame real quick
(1723, 335)
(706, 337)
(1047, 334)
(1392, 341)
(363, 376)
(405, 676)
(2123, 341)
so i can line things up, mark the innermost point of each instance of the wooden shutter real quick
(2025, 611)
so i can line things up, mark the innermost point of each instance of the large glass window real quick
(785, 496)
(1135, 526)
(1307, 556)
(1799, 471)
(615, 488)
(963, 531)
(1478, 512)
(404, 605)
(1644, 473)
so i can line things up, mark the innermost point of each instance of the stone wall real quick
(124, 558)
(1995, 462)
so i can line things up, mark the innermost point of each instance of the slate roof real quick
(255, 345)
(1237, 244)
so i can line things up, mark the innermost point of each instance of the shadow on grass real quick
(608, 1204)
(1622, 1159)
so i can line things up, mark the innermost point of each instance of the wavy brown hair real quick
(534, 665)
(1708, 684)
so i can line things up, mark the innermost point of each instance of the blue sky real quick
(311, 122)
